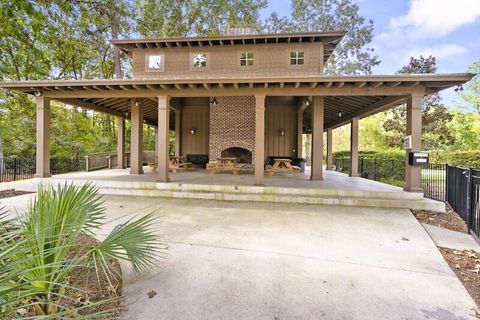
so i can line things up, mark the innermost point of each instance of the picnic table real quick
(174, 163)
(225, 164)
(177, 162)
(282, 166)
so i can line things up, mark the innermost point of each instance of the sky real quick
(446, 29)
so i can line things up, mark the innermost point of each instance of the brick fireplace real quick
(232, 128)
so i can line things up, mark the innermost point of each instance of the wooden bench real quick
(282, 166)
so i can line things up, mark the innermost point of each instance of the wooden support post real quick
(354, 147)
(299, 134)
(317, 138)
(163, 128)
(43, 138)
(330, 149)
(136, 143)
(259, 139)
(121, 143)
(413, 174)
(178, 132)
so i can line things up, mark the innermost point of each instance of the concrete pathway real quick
(451, 239)
(276, 261)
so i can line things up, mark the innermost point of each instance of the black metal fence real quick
(463, 194)
(434, 181)
(393, 172)
(12, 169)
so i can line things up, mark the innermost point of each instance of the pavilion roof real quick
(354, 96)
(329, 39)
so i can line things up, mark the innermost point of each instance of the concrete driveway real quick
(275, 261)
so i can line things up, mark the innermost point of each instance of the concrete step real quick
(418, 204)
(319, 196)
(384, 199)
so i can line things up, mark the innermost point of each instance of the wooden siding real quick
(279, 117)
(198, 117)
(269, 60)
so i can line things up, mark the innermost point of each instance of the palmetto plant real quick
(39, 250)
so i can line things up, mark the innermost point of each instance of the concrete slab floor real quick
(278, 261)
(451, 239)
(332, 179)
(275, 261)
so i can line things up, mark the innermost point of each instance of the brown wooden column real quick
(330, 149)
(300, 134)
(178, 132)
(43, 138)
(354, 147)
(136, 142)
(317, 138)
(259, 139)
(121, 143)
(413, 175)
(163, 127)
(155, 148)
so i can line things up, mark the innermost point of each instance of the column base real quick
(312, 178)
(163, 180)
(132, 171)
(42, 175)
(418, 190)
(354, 175)
(259, 184)
(330, 167)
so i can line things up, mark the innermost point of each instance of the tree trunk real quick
(116, 51)
(1, 152)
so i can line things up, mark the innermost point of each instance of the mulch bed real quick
(11, 193)
(448, 220)
(466, 265)
(95, 288)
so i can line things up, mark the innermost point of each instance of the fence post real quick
(14, 169)
(361, 167)
(469, 198)
(87, 164)
(109, 162)
(375, 169)
(446, 183)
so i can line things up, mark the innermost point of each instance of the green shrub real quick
(40, 250)
(464, 159)
(370, 154)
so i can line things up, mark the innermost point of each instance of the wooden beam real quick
(376, 107)
(237, 91)
(91, 106)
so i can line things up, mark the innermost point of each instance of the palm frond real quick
(135, 241)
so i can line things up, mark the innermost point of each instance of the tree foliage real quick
(158, 18)
(352, 55)
(472, 92)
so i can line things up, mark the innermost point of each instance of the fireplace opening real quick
(243, 155)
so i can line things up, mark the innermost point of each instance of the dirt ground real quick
(466, 264)
(11, 193)
(448, 220)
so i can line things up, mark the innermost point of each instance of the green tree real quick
(156, 18)
(352, 55)
(472, 92)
